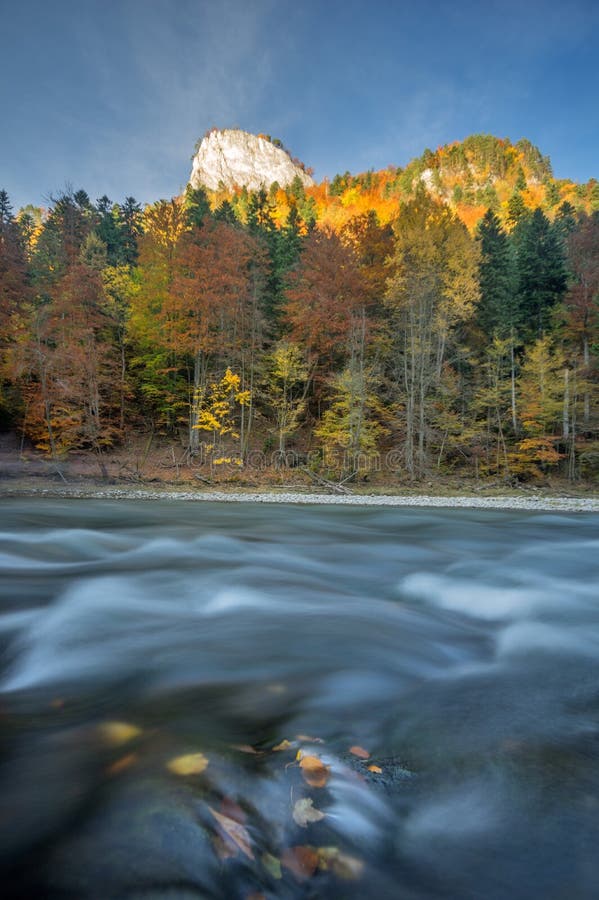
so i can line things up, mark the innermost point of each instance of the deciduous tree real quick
(432, 289)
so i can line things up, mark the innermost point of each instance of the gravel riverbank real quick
(109, 492)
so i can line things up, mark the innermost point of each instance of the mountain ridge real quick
(481, 171)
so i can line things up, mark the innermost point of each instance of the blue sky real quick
(111, 95)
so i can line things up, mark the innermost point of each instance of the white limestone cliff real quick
(235, 158)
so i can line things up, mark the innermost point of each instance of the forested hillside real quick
(406, 323)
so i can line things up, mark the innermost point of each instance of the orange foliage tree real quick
(211, 317)
(325, 295)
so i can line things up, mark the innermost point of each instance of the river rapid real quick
(267, 701)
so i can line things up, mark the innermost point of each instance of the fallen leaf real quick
(244, 748)
(224, 849)
(284, 745)
(117, 733)
(234, 831)
(360, 752)
(376, 769)
(125, 762)
(272, 865)
(231, 809)
(315, 773)
(308, 739)
(304, 812)
(188, 764)
(341, 864)
(301, 861)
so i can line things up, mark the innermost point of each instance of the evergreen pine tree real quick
(130, 216)
(197, 207)
(226, 214)
(541, 270)
(108, 229)
(516, 209)
(520, 180)
(497, 312)
(552, 195)
(565, 221)
(13, 274)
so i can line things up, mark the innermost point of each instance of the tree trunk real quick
(566, 405)
(513, 385)
(586, 406)
(194, 412)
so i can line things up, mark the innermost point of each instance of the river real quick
(226, 700)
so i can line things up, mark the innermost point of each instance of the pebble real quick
(537, 503)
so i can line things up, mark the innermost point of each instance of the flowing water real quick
(459, 648)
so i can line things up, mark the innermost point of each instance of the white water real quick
(461, 648)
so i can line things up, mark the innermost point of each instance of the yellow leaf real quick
(304, 812)
(188, 764)
(284, 745)
(117, 733)
(341, 864)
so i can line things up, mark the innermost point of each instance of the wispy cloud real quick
(191, 65)
(112, 94)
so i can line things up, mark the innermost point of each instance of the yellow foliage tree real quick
(541, 410)
(351, 426)
(215, 408)
(433, 288)
(286, 383)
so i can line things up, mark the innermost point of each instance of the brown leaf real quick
(284, 745)
(376, 769)
(315, 773)
(188, 764)
(244, 748)
(301, 861)
(304, 812)
(121, 764)
(233, 830)
(232, 810)
(308, 739)
(360, 752)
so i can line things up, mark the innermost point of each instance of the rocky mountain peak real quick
(234, 158)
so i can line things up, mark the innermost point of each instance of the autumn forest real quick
(400, 325)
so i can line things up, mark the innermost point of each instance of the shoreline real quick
(293, 496)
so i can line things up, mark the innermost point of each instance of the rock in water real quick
(234, 158)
